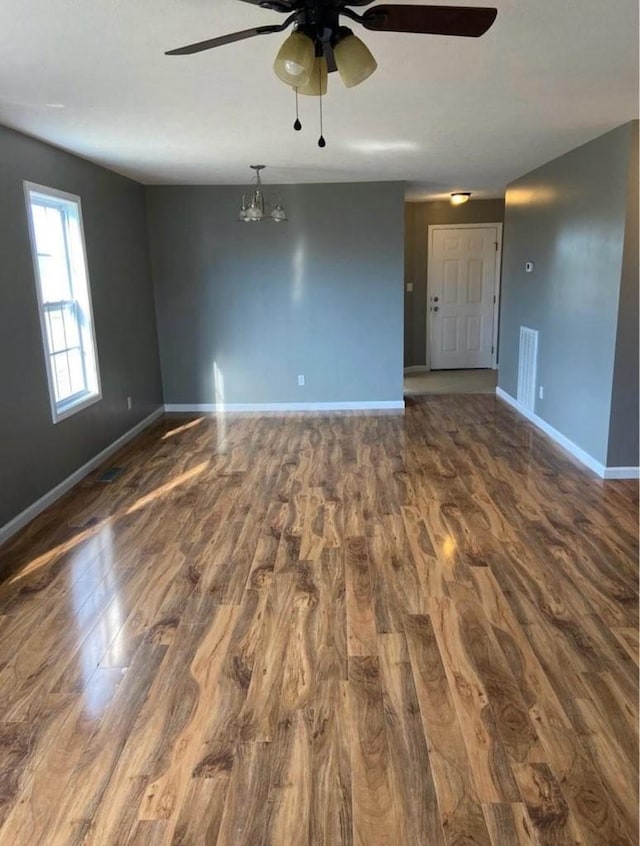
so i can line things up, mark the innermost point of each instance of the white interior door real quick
(462, 287)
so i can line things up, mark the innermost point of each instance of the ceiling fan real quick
(320, 44)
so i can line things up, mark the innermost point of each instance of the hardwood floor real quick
(347, 629)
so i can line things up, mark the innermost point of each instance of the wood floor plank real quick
(169, 775)
(258, 719)
(459, 807)
(628, 637)
(40, 781)
(331, 817)
(618, 774)
(288, 813)
(619, 721)
(410, 769)
(298, 678)
(152, 773)
(376, 816)
(330, 631)
(244, 818)
(509, 824)
(93, 773)
(549, 818)
(325, 630)
(361, 627)
(591, 811)
(200, 814)
(490, 767)
(516, 729)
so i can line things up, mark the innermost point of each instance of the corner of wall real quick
(624, 430)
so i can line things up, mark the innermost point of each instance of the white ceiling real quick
(440, 113)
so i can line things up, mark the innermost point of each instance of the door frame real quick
(496, 285)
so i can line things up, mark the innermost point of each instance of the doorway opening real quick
(422, 382)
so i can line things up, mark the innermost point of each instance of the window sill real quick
(64, 410)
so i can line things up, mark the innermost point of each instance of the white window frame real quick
(77, 402)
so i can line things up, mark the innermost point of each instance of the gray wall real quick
(418, 217)
(259, 304)
(623, 431)
(568, 216)
(35, 454)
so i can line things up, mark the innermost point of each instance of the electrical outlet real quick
(301, 380)
(541, 392)
(128, 403)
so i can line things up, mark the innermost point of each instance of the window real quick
(64, 299)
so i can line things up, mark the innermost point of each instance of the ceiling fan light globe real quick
(354, 60)
(295, 60)
(459, 198)
(293, 68)
(317, 85)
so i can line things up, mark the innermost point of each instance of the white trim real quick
(381, 405)
(622, 473)
(496, 304)
(49, 498)
(417, 368)
(496, 288)
(93, 396)
(588, 460)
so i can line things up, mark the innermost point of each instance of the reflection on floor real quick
(450, 382)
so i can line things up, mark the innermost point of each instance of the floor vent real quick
(527, 367)
(110, 475)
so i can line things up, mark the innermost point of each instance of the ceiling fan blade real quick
(225, 39)
(469, 21)
(274, 5)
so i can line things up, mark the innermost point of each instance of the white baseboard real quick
(558, 437)
(208, 408)
(622, 473)
(416, 368)
(49, 498)
(588, 460)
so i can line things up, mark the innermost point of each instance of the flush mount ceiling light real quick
(459, 198)
(256, 206)
(320, 45)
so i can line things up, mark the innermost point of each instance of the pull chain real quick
(321, 141)
(297, 125)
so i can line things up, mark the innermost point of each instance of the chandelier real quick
(256, 206)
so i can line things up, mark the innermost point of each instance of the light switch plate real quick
(528, 266)
(409, 287)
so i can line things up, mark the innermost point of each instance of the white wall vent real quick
(527, 368)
